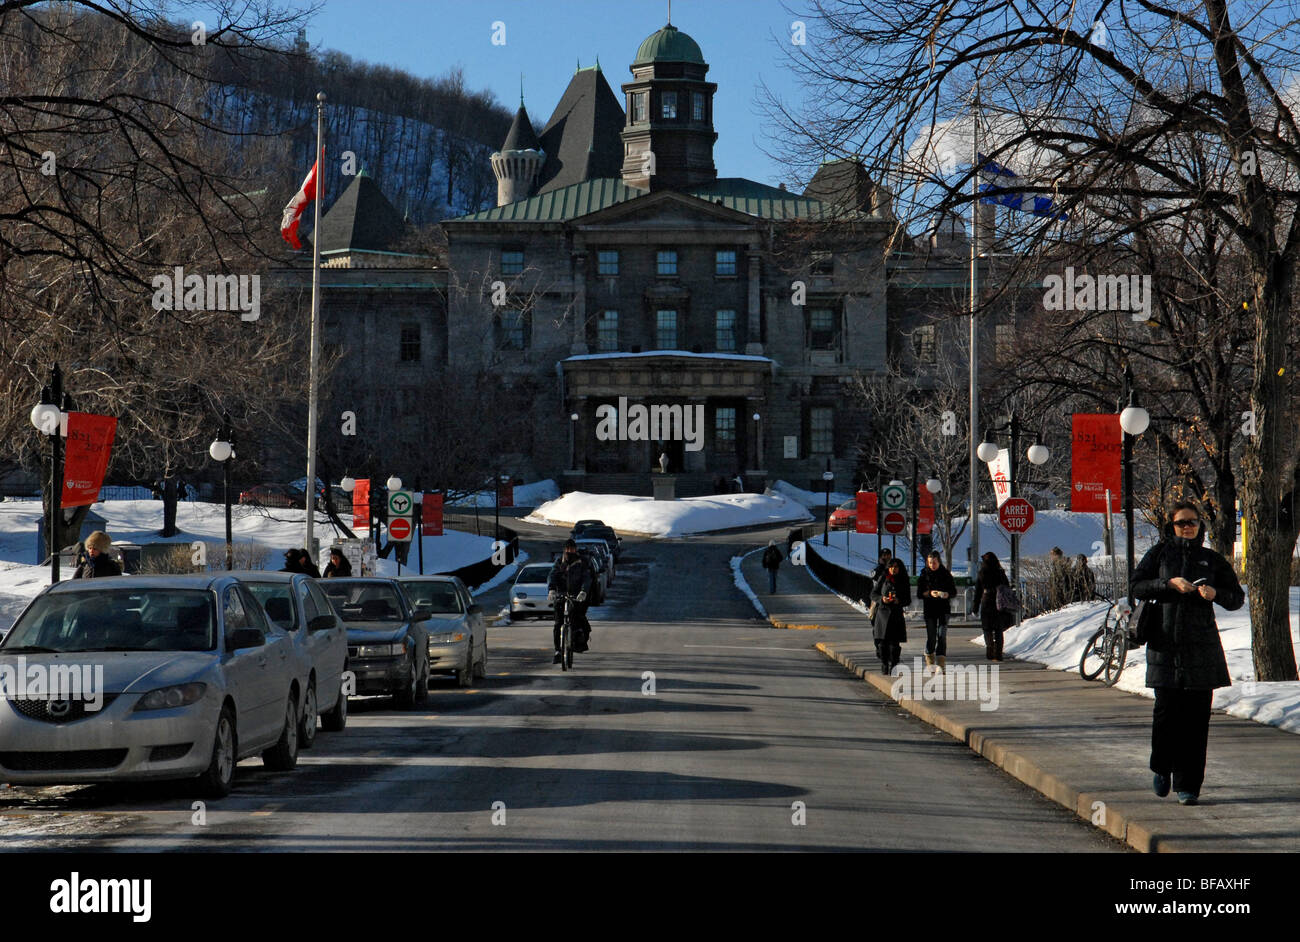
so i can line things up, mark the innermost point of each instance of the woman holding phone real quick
(1185, 661)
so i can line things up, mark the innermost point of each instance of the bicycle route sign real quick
(1016, 515)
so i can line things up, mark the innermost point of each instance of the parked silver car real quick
(180, 676)
(528, 594)
(457, 630)
(294, 602)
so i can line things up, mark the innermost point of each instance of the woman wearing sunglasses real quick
(1185, 661)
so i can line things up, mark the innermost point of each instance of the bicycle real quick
(566, 630)
(1107, 649)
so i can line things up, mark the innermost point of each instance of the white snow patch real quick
(668, 518)
(739, 578)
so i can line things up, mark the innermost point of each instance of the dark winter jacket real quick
(1183, 649)
(571, 577)
(103, 565)
(986, 598)
(1083, 582)
(771, 558)
(340, 571)
(937, 580)
(889, 624)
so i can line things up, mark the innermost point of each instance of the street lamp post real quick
(573, 441)
(394, 483)
(47, 417)
(828, 476)
(223, 450)
(758, 444)
(934, 486)
(1037, 454)
(1133, 422)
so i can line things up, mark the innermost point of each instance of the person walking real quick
(1185, 662)
(97, 564)
(1084, 580)
(935, 587)
(291, 563)
(993, 620)
(307, 565)
(338, 567)
(1058, 580)
(771, 562)
(892, 594)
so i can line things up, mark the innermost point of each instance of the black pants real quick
(993, 642)
(889, 652)
(580, 623)
(936, 634)
(1180, 730)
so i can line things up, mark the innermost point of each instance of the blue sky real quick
(545, 39)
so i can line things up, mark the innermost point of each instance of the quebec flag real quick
(1001, 180)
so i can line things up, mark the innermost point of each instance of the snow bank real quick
(650, 517)
(813, 500)
(525, 495)
(742, 584)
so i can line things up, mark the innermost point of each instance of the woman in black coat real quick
(935, 587)
(893, 593)
(992, 620)
(1185, 661)
(338, 567)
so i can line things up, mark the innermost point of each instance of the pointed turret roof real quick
(521, 136)
(582, 140)
(361, 218)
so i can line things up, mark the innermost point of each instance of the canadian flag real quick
(293, 211)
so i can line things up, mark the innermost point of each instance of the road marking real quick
(743, 647)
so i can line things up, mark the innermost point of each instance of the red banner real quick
(431, 515)
(924, 510)
(506, 494)
(361, 505)
(866, 520)
(1095, 462)
(90, 443)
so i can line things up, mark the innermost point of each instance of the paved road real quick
(749, 740)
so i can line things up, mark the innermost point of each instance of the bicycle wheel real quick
(1092, 662)
(565, 657)
(568, 645)
(1116, 652)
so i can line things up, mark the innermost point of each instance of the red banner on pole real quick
(924, 510)
(865, 514)
(431, 515)
(505, 493)
(1095, 462)
(361, 505)
(90, 443)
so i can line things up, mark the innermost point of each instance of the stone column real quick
(753, 346)
(579, 345)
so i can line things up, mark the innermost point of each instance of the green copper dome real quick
(669, 45)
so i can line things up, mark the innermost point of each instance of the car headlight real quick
(447, 637)
(521, 595)
(165, 698)
(382, 650)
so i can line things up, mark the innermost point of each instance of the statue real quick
(663, 462)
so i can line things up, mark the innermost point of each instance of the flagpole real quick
(974, 517)
(315, 327)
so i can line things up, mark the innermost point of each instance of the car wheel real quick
(220, 774)
(480, 667)
(336, 720)
(307, 725)
(406, 696)
(465, 676)
(283, 756)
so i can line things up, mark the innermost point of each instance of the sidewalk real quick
(1082, 744)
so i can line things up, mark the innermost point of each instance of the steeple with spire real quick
(520, 159)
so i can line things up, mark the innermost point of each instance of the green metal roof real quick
(668, 45)
(580, 199)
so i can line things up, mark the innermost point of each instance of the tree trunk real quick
(170, 493)
(1225, 496)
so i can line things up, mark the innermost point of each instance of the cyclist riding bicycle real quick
(571, 575)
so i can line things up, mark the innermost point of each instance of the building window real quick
(666, 330)
(666, 262)
(822, 263)
(607, 263)
(408, 348)
(607, 332)
(822, 334)
(512, 262)
(821, 431)
(923, 344)
(724, 262)
(724, 430)
(512, 330)
(697, 106)
(1004, 342)
(668, 105)
(726, 331)
(638, 107)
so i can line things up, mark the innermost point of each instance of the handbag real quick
(1007, 600)
(871, 610)
(1142, 623)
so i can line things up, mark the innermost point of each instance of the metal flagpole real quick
(315, 326)
(974, 337)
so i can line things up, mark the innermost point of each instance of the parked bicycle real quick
(1107, 649)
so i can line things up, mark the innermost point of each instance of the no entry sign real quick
(1016, 515)
(895, 521)
(399, 529)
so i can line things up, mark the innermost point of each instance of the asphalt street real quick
(690, 725)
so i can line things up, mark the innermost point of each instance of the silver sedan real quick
(457, 630)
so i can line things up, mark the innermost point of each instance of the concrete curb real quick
(1113, 821)
(777, 623)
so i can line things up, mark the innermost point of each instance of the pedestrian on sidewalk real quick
(1084, 580)
(1058, 580)
(993, 620)
(936, 587)
(771, 562)
(307, 565)
(96, 563)
(892, 594)
(339, 567)
(1185, 661)
(291, 563)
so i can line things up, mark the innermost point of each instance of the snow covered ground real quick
(667, 518)
(525, 495)
(1057, 639)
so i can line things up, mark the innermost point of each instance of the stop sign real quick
(399, 528)
(1016, 515)
(895, 521)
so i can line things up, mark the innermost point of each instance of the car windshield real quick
(534, 574)
(849, 505)
(277, 600)
(363, 601)
(440, 598)
(116, 620)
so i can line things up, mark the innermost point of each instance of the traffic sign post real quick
(399, 529)
(401, 507)
(1016, 515)
(893, 497)
(895, 521)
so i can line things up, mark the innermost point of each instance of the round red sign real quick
(895, 521)
(399, 528)
(1016, 515)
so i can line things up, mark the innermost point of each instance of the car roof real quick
(202, 580)
(268, 575)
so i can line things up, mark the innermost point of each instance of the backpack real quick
(1007, 600)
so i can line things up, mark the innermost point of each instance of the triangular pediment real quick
(669, 210)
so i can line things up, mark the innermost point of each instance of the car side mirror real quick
(321, 623)
(475, 609)
(245, 638)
